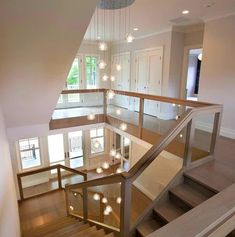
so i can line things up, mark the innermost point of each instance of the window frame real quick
(19, 158)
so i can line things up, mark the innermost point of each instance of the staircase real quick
(181, 199)
(68, 226)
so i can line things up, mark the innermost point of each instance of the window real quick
(73, 81)
(91, 72)
(29, 153)
(97, 140)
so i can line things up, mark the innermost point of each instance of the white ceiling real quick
(153, 16)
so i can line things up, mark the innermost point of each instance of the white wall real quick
(217, 81)
(39, 41)
(9, 217)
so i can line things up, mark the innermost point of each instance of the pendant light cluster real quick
(114, 155)
(108, 209)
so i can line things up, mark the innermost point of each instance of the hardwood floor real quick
(218, 174)
(42, 210)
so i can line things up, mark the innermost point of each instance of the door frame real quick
(184, 76)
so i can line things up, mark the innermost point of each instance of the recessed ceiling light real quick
(185, 12)
(136, 29)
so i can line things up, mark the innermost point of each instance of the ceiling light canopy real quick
(114, 4)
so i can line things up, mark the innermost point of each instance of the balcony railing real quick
(185, 129)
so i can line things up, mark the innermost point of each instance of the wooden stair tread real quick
(87, 232)
(168, 211)
(188, 195)
(222, 175)
(110, 235)
(71, 229)
(98, 233)
(148, 227)
(53, 226)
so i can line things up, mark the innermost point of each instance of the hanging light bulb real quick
(103, 46)
(112, 78)
(91, 117)
(105, 165)
(119, 170)
(109, 209)
(99, 170)
(71, 208)
(129, 38)
(110, 94)
(75, 194)
(118, 200)
(113, 152)
(118, 156)
(118, 112)
(181, 135)
(123, 126)
(106, 213)
(96, 197)
(118, 67)
(102, 64)
(200, 57)
(105, 77)
(104, 200)
(97, 144)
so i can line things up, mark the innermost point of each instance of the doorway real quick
(192, 70)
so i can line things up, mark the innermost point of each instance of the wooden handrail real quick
(111, 179)
(52, 167)
(37, 171)
(165, 99)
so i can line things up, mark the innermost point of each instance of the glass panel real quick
(39, 183)
(29, 153)
(56, 148)
(91, 72)
(73, 78)
(159, 117)
(123, 110)
(75, 202)
(75, 144)
(78, 105)
(149, 185)
(69, 178)
(202, 136)
(104, 204)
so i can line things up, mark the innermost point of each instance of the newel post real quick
(141, 117)
(125, 208)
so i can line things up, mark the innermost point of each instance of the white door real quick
(149, 77)
(141, 68)
(122, 78)
(154, 81)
